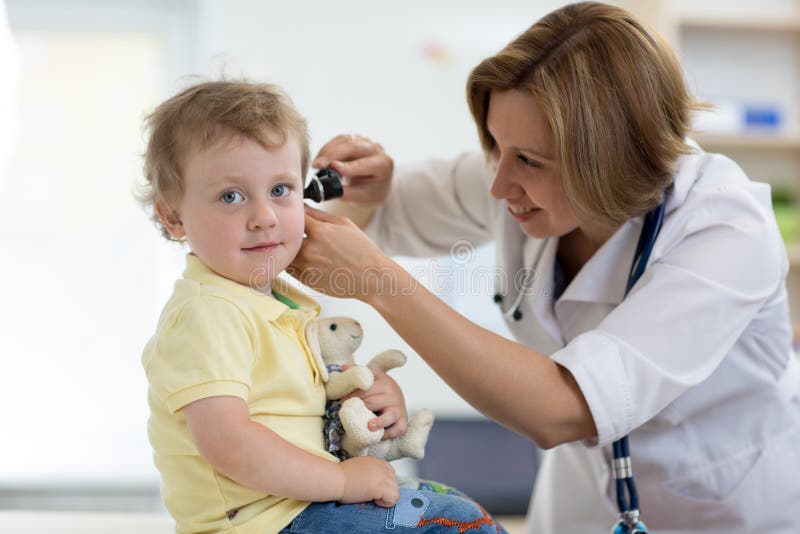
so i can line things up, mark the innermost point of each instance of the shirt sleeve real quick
(206, 351)
(434, 204)
(714, 272)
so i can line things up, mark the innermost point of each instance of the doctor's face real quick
(525, 173)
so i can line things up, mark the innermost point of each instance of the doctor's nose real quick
(504, 185)
(262, 216)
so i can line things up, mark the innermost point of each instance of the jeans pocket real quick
(410, 508)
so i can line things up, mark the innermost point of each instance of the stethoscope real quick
(627, 497)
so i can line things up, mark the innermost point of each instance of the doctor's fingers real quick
(314, 215)
(377, 167)
(347, 148)
(321, 251)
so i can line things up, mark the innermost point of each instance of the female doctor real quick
(583, 121)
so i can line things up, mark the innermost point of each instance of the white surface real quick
(80, 244)
(41, 522)
(37, 522)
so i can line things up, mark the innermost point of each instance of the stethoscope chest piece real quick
(624, 527)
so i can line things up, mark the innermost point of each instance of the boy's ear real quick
(170, 219)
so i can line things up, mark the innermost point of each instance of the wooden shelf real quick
(750, 141)
(789, 23)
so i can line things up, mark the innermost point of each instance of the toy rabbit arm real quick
(341, 383)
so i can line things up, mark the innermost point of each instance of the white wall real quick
(84, 274)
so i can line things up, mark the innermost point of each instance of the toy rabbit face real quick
(339, 337)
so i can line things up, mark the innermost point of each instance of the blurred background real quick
(84, 274)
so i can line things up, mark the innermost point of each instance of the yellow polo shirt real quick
(217, 337)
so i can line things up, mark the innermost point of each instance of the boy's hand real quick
(385, 399)
(366, 479)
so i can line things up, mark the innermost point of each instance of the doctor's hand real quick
(339, 260)
(386, 399)
(364, 165)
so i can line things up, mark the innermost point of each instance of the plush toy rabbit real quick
(333, 341)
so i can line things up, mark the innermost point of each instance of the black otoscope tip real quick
(327, 184)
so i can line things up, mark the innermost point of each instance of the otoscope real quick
(326, 185)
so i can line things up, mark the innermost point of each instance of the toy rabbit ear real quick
(312, 340)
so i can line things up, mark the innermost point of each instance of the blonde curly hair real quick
(203, 114)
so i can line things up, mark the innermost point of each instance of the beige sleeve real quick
(434, 205)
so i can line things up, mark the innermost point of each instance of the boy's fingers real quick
(388, 501)
(396, 430)
(375, 400)
(387, 418)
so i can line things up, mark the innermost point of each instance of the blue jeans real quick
(423, 506)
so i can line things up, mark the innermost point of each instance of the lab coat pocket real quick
(754, 491)
(719, 481)
(700, 503)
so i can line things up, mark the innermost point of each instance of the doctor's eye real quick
(528, 162)
(333, 327)
(231, 197)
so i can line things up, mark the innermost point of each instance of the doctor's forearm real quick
(513, 384)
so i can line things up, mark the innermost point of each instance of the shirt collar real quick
(690, 168)
(272, 308)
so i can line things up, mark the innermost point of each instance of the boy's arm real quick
(258, 458)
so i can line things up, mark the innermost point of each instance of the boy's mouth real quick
(262, 247)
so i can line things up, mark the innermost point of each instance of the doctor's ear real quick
(170, 218)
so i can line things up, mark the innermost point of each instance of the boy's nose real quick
(263, 216)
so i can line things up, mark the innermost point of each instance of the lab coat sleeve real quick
(711, 273)
(434, 205)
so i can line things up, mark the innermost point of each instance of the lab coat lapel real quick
(544, 286)
(600, 284)
(516, 251)
(603, 277)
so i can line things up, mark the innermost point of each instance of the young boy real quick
(236, 399)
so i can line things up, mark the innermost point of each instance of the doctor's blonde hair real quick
(206, 113)
(615, 100)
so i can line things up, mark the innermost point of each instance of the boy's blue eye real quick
(280, 190)
(231, 197)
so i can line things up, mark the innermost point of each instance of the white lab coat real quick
(696, 364)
